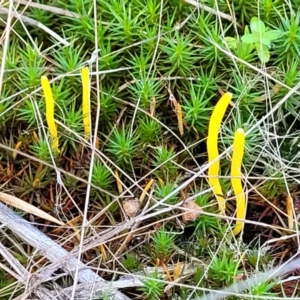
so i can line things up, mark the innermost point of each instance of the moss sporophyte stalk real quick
(289, 208)
(212, 148)
(180, 118)
(50, 111)
(85, 77)
(236, 179)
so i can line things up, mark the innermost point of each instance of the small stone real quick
(131, 207)
(194, 213)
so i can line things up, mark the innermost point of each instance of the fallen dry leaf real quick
(20, 204)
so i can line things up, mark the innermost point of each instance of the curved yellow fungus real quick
(236, 179)
(50, 111)
(85, 77)
(212, 148)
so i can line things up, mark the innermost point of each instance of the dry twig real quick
(52, 251)
(212, 11)
(53, 9)
(32, 22)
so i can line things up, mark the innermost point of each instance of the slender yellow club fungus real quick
(50, 111)
(212, 148)
(236, 179)
(85, 77)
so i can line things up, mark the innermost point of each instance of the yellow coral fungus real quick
(85, 77)
(236, 180)
(212, 148)
(50, 111)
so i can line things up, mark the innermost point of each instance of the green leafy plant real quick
(33, 179)
(205, 27)
(131, 262)
(6, 286)
(28, 112)
(108, 104)
(101, 176)
(223, 268)
(274, 186)
(164, 189)
(40, 149)
(72, 119)
(205, 224)
(163, 161)
(288, 44)
(261, 37)
(180, 54)
(149, 130)
(259, 258)
(162, 246)
(264, 289)
(123, 146)
(31, 67)
(197, 107)
(6, 114)
(144, 90)
(152, 288)
(69, 59)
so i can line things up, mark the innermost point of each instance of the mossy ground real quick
(151, 52)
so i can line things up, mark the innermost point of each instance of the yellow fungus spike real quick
(289, 208)
(35, 137)
(212, 148)
(50, 111)
(119, 183)
(179, 118)
(177, 271)
(39, 170)
(146, 189)
(103, 252)
(72, 224)
(17, 147)
(236, 180)
(152, 106)
(36, 183)
(97, 143)
(85, 77)
(161, 182)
